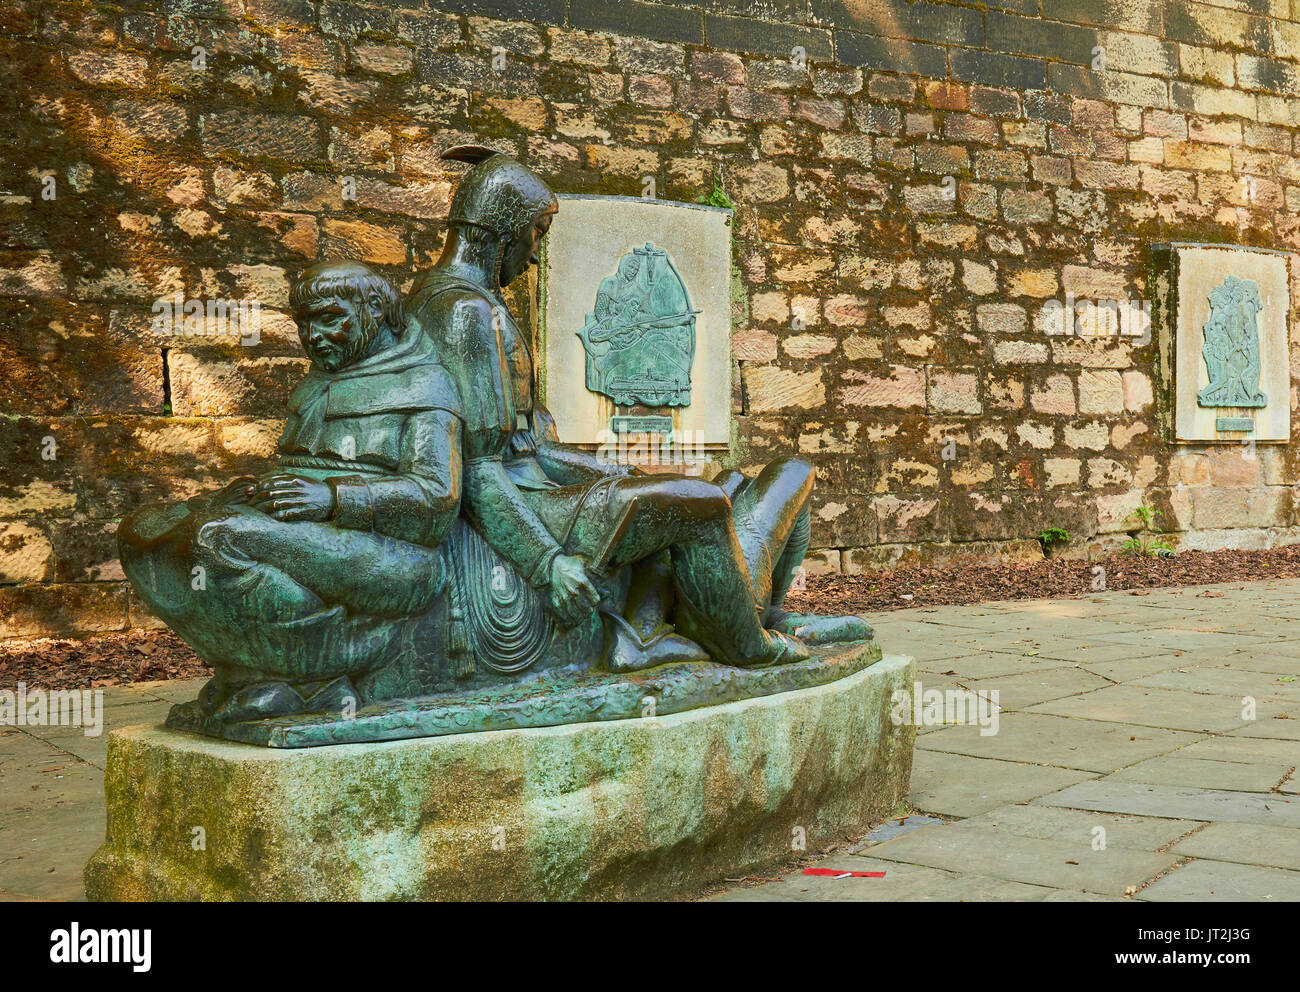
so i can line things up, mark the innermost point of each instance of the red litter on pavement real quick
(836, 873)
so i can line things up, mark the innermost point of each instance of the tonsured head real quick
(341, 308)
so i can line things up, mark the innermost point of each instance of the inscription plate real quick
(1234, 424)
(641, 425)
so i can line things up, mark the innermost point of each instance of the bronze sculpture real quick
(429, 538)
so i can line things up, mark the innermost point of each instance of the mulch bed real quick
(964, 584)
(107, 659)
(145, 656)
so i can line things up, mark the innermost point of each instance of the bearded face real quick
(338, 331)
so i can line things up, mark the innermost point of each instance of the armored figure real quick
(552, 511)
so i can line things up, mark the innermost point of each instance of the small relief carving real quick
(640, 339)
(1231, 348)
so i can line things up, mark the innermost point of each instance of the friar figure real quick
(297, 583)
(734, 545)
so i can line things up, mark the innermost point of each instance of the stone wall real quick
(913, 183)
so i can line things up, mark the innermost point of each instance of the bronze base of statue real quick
(545, 700)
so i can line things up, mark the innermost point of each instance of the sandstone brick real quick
(105, 68)
(808, 345)
(753, 345)
(1104, 472)
(294, 138)
(901, 387)
(1100, 391)
(26, 554)
(1019, 352)
(1056, 395)
(381, 244)
(769, 388)
(953, 392)
(1091, 435)
(908, 520)
(1062, 471)
(1001, 318)
(1234, 466)
(1137, 391)
(978, 278)
(1026, 207)
(579, 47)
(947, 96)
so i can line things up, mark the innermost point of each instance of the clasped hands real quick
(285, 496)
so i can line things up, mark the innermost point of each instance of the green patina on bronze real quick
(560, 698)
(1231, 347)
(640, 338)
(427, 538)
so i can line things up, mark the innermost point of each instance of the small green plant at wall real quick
(717, 197)
(1140, 540)
(1051, 538)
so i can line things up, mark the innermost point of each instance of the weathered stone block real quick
(625, 809)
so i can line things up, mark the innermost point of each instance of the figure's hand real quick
(291, 497)
(573, 597)
(236, 491)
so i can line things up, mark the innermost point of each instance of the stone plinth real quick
(642, 808)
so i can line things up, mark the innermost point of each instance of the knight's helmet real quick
(498, 194)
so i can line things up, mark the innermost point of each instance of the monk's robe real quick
(305, 600)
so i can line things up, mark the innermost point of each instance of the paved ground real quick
(1124, 761)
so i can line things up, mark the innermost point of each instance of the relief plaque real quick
(635, 314)
(1222, 318)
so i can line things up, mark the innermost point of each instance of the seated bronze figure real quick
(426, 534)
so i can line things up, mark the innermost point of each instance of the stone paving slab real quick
(1178, 802)
(994, 664)
(1218, 881)
(38, 775)
(957, 785)
(1177, 769)
(43, 851)
(1088, 745)
(1091, 650)
(1125, 669)
(983, 850)
(1283, 726)
(1245, 843)
(94, 749)
(1183, 639)
(1248, 749)
(1142, 833)
(1224, 681)
(1261, 661)
(1016, 692)
(1165, 708)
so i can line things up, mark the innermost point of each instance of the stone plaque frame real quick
(589, 236)
(1184, 277)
